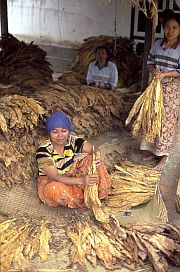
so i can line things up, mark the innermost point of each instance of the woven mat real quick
(25, 201)
(152, 212)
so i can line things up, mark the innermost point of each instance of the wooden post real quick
(149, 39)
(147, 47)
(3, 17)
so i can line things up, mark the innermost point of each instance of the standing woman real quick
(164, 64)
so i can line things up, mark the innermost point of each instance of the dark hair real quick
(165, 14)
(174, 16)
(102, 47)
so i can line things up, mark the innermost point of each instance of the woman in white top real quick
(102, 72)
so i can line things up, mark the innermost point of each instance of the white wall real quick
(66, 22)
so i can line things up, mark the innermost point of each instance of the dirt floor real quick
(115, 147)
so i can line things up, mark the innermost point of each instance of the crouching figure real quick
(63, 162)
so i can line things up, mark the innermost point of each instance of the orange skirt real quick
(55, 193)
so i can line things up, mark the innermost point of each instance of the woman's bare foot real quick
(161, 163)
(149, 158)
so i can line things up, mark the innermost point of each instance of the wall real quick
(63, 24)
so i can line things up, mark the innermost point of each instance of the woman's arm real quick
(87, 147)
(161, 75)
(113, 80)
(89, 78)
(53, 175)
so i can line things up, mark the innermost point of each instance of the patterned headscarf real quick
(58, 120)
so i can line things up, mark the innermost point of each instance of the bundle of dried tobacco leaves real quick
(132, 185)
(23, 64)
(21, 240)
(19, 117)
(127, 62)
(127, 246)
(22, 125)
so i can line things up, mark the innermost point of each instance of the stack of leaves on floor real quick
(109, 244)
(22, 123)
(92, 110)
(127, 246)
(26, 241)
(132, 185)
(128, 63)
(148, 112)
(21, 240)
(19, 117)
(118, 246)
(22, 64)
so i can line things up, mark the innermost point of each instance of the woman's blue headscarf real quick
(58, 120)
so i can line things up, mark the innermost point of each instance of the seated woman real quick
(102, 72)
(63, 174)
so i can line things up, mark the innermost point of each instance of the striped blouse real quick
(46, 155)
(165, 59)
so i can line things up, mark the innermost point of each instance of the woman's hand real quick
(155, 72)
(160, 75)
(152, 69)
(169, 74)
(90, 179)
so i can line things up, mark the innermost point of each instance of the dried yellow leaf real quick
(44, 238)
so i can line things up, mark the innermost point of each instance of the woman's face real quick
(59, 136)
(101, 55)
(172, 30)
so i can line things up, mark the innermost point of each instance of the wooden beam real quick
(149, 39)
(147, 46)
(3, 17)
